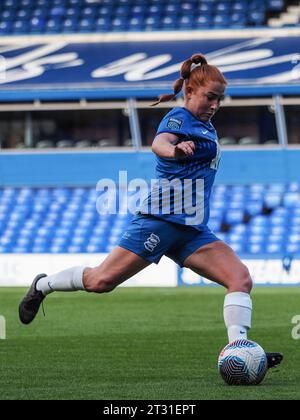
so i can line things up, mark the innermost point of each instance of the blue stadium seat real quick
(37, 24)
(256, 18)
(72, 12)
(119, 24)
(255, 249)
(256, 239)
(241, 229)
(204, 21)
(221, 20)
(275, 5)
(10, 4)
(273, 200)
(27, 3)
(257, 229)
(8, 15)
(136, 24)
(254, 208)
(86, 24)
(238, 247)
(102, 24)
(23, 14)
(240, 5)
(186, 22)
(234, 216)
(42, 3)
(293, 248)
(169, 23)
(274, 248)
(53, 25)
(238, 19)
(290, 199)
(5, 27)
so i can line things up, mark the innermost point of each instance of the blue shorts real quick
(151, 238)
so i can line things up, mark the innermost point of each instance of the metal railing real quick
(133, 106)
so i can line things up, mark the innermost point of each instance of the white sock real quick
(68, 280)
(237, 315)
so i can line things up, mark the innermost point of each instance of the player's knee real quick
(101, 285)
(245, 281)
(241, 280)
(97, 282)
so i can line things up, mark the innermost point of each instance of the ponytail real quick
(197, 65)
(177, 86)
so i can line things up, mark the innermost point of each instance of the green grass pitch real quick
(141, 343)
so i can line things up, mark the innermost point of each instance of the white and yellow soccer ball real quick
(243, 362)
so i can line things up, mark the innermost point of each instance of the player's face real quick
(205, 101)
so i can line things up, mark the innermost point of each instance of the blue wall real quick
(80, 169)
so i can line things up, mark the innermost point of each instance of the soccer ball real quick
(243, 362)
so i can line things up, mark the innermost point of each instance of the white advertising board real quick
(19, 270)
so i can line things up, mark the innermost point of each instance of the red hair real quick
(195, 72)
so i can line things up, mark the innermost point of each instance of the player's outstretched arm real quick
(165, 146)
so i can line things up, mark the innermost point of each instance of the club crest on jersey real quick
(152, 242)
(174, 123)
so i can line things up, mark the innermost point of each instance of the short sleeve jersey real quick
(181, 192)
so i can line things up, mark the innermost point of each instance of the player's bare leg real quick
(218, 262)
(118, 267)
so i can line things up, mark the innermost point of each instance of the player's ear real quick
(189, 90)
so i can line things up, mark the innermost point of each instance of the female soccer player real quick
(187, 153)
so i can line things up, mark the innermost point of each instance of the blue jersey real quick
(182, 190)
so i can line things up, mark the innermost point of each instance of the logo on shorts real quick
(152, 242)
(126, 235)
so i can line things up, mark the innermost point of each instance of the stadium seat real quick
(83, 144)
(44, 144)
(104, 143)
(65, 143)
(256, 18)
(64, 16)
(271, 142)
(248, 141)
(227, 141)
(275, 5)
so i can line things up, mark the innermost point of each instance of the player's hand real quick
(184, 149)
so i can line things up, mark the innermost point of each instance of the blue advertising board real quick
(242, 167)
(62, 70)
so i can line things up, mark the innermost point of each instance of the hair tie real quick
(193, 66)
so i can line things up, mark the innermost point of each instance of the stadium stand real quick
(254, 219)
(85, 16)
